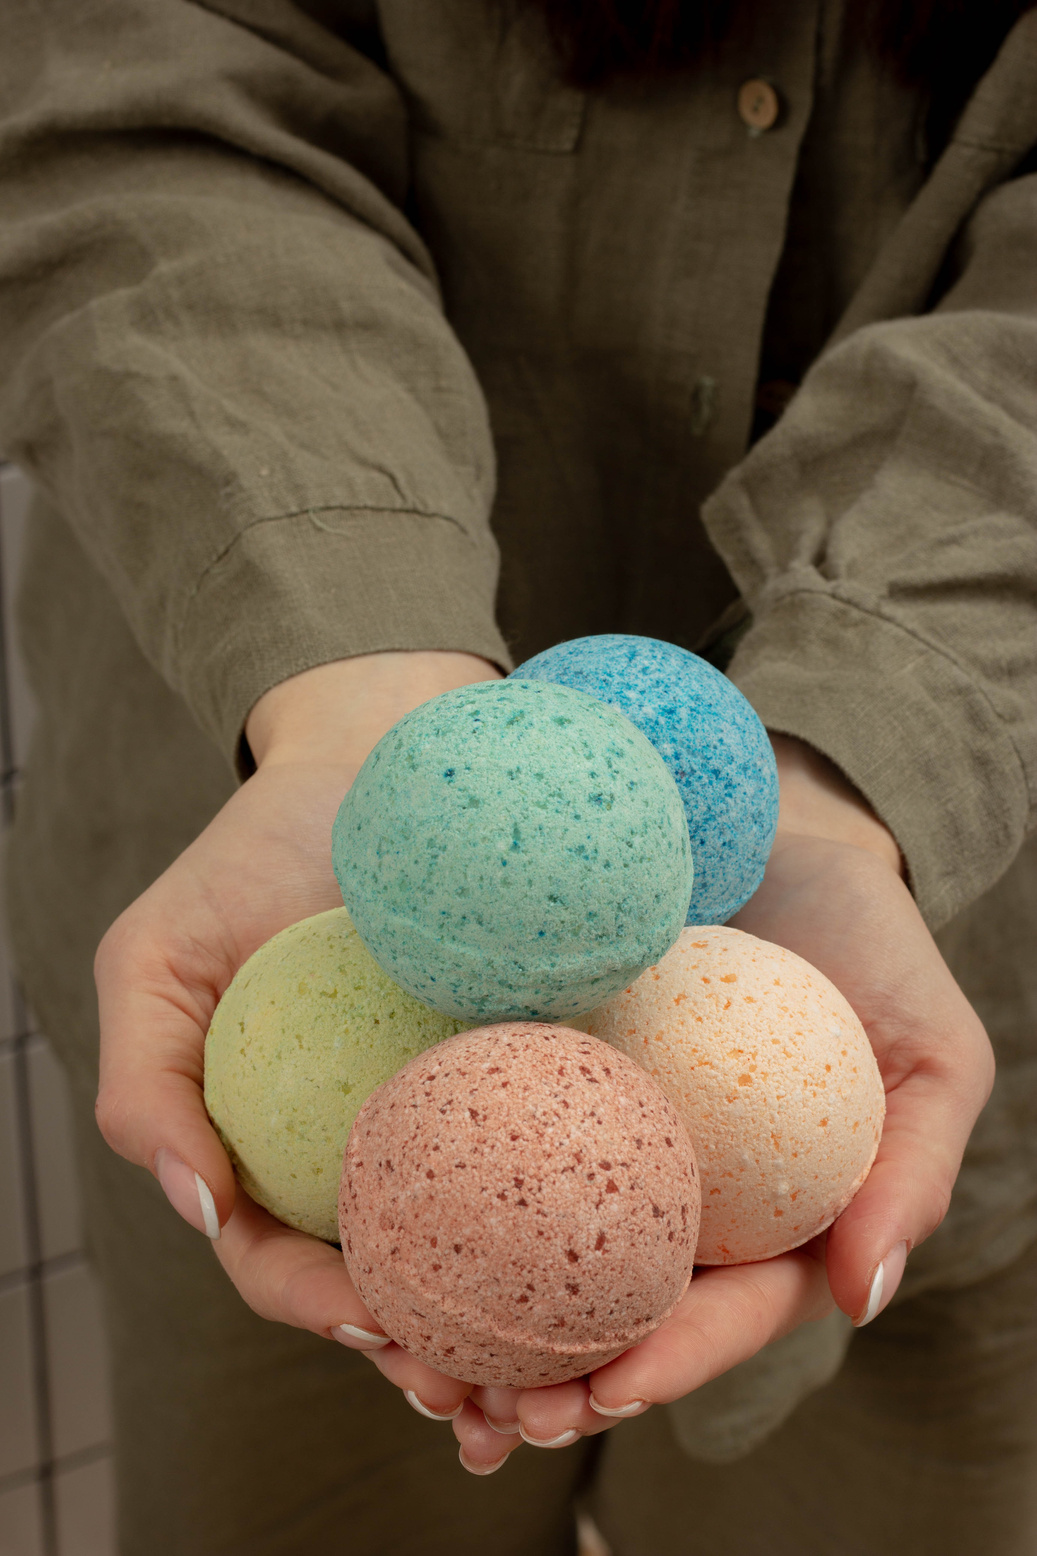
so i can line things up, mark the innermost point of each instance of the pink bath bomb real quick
(773, 1074)
(519, 1205)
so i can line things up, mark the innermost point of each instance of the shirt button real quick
(759, 106)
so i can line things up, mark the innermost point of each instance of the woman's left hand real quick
(833, 894)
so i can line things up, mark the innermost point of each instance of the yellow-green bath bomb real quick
(306, 1031)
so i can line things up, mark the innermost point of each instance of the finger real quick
(938, 1068)
(903, 1199)
(558, 1416)
(432, 1394)
(931, 1048)
(727, 1315)
(291, 1278)
(481, 1449)
(499, 1407)
(150, 1106)
(294, 1279)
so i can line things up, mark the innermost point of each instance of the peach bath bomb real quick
(514, 850)
(519, 1205)
(773, 1074)
(308, 1028)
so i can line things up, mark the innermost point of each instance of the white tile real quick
(57, 1190)
(13, 1251)
(85, 1502)
(18, 1447)
(15, 493)
(21, 1527)
(78, 1360)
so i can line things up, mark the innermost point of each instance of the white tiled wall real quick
(55, 1467)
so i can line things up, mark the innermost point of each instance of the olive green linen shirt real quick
(226, 359)
(311, 314)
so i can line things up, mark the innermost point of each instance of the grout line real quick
(37, 1314)
(81, 1459)
(58, 1265)
(26, 1032)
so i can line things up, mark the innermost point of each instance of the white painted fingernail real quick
(359, 1339)
(423, 1410)
(884, 1283)
(208, 1204)
(548, 1442)
(631, 1409)
(480, 1469)
(187, 1192)
(505, 1428)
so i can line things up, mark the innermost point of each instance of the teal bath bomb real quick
(306, 1031)
(513, 850)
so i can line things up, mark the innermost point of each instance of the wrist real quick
(818, 801)
(336, 713)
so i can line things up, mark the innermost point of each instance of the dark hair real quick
(938, 45)
(942, 44)
(599, 40)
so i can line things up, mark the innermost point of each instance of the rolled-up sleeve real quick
(884, 535)
(224, 355)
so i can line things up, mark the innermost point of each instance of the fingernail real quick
(634, 1407)
(884, 1283)
(548, 1442)
(480, 1469)
(187, 1192)
(423, 1410)
(359, 1339)
(506, 1428)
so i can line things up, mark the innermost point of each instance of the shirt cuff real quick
(908, 728)
(303, 589)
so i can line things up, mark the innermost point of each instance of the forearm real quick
(238, 384)
(884, 538)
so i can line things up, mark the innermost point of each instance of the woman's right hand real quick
(264, 862)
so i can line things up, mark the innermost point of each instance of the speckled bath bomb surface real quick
(308, 1028)
(772, 1073)
(514, 850)
(519, 1205)
(710, 739)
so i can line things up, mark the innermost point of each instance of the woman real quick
(267, 458)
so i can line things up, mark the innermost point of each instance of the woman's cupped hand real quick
(833, 893)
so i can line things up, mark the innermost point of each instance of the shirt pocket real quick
(481, 72)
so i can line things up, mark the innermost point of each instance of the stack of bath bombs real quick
(509, 850)
(521, 1201)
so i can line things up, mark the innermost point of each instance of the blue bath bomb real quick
(514, 850)
(709, 737)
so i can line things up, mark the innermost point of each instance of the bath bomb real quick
(308, 1028)
(773, 1074)
(710, 739)
(519, 1205)
(514, 850)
